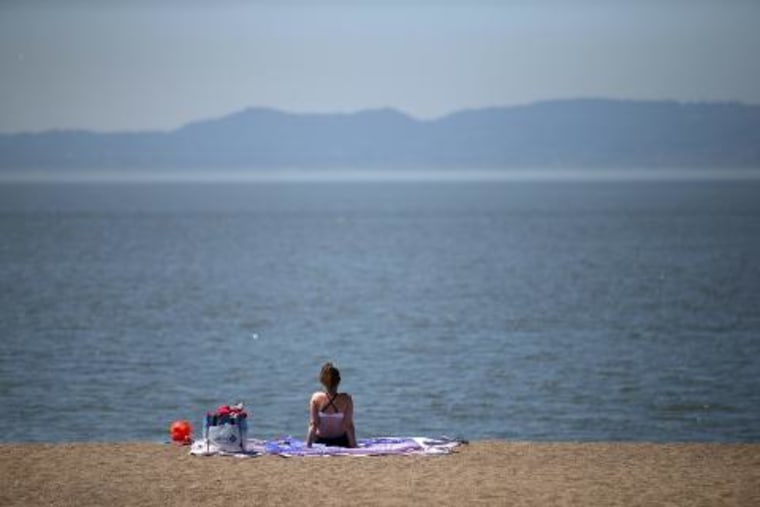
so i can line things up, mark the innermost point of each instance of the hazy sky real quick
(103, 65)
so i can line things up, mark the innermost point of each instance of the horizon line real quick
(380, 176)
(386, 108)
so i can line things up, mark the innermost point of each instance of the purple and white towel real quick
(379, 446)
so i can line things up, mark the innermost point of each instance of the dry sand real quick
(482, 473)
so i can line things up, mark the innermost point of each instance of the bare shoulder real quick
(317, 396)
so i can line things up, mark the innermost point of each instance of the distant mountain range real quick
(566, 133)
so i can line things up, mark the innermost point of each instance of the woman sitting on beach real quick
(331, 414)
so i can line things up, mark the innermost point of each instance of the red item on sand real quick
(180, 432)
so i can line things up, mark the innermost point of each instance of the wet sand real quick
(481, 473)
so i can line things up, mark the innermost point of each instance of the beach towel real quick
(378, 446)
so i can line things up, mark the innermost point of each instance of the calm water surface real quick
(542, 311)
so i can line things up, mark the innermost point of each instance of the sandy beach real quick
(481, 473)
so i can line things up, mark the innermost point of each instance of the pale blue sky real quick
(103, 65)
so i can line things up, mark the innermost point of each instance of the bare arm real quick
(313, 421)
(348, 422)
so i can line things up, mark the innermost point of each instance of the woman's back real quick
(331, 414)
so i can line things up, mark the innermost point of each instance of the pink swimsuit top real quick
(330, 423)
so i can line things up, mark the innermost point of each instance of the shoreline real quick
(481, 472)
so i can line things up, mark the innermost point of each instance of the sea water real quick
(530, 311)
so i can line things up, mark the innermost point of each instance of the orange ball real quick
(180, 432)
